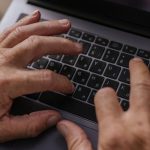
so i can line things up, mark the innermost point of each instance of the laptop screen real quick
(130, 15)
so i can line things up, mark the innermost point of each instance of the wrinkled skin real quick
(20, 44)
(28, 40)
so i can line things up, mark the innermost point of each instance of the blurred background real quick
(4, 4)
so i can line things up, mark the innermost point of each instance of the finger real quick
(37, 46)
(140, 84)
(34, 17)
(107, 105)
(41, 28)
(27, 82)
(74, 135)
(28, 125)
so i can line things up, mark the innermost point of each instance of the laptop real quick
(112, 32)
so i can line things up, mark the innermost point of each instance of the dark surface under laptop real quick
(120, 50)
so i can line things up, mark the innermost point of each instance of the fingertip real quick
(102, 93)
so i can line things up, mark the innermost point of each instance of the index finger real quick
(140, 85)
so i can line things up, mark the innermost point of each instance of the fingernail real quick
(35, 13)
(79, 47)
(62, 128)
(53, 120)
(64, 22)
(137, 59)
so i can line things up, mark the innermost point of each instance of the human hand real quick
(20, 44)
(118, 130)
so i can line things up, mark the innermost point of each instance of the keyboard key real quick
(96, 51)
(112, 71)
(129, 49)
(115, 45)
(69, 59)
(68, 71)
(111, 83)
(81, 77)
(91, 97)
(125, 76)
(123, 91)
(40, 64)
(111, 56)
(146, 61)
(98, 67)
(69, 104)
(75, 33)
(124, 60)
(54, 66)
(82, 93)
(83, 62)
(55, 57)
(71, 39)
(86, 46)
(88, 37)
(101, 41)
(125, 105)
(143, 53)
(95, 81)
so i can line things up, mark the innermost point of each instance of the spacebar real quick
(69, 104)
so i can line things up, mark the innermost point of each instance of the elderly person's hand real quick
(20, 45)
(118, 130)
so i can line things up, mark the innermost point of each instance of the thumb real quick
(18, 127)
(74, 135)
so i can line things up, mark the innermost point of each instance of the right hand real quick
(118, 130)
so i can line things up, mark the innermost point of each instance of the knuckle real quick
(33, 41)
(145, 85)
(18, 32)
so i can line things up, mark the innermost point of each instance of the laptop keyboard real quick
(103, 63)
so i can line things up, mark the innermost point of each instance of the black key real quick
(91, 97)
(125, 105)
(72, 39)
(88, 37)
(69, 59)
(96, 51)
(56, 57)
(123, 91)
(95, 81)
(86, 46)
(54, 66)
(143, 53)
(98, 67)
(83, 62)
(115, 45)
(68, 71)
(125, 76)
(40, 64)
(75, 33)
(81, 77)
(112, 71)
(34, 96)
(111, 83)
(129, 49)
(82, 93)
(101, 41)
(111, 56)
(146, 62)
(124, 60)
(69, 104)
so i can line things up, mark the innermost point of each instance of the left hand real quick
(20, 44)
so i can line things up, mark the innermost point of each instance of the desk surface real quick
(3, 7)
